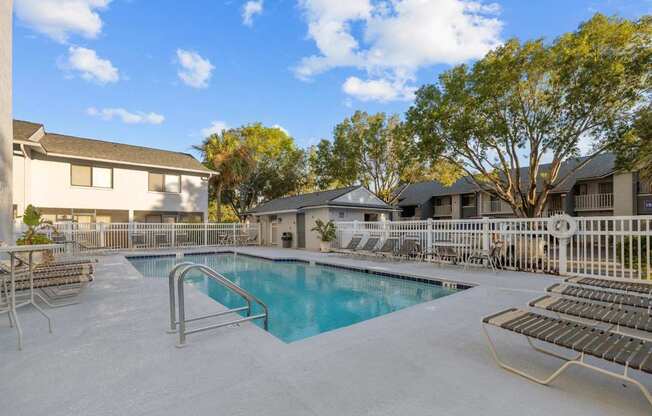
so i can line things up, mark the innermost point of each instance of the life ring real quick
(562, 226)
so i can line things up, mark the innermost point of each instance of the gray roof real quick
(419, 193)
(313, 199)
(99, 149)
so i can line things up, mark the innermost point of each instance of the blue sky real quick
(162, 73)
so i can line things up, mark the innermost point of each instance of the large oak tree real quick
(525, 104)
(372, 150)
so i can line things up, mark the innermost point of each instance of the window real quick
(583, 189)
(159, 182)
(80, 175)
(371, 217)
(172, 183)
(91, 176)
(341, 214)
(468, 200)
(605, 188)
(102, 177)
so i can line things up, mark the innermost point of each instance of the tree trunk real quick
(218, 206)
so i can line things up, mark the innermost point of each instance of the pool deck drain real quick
(110, 355)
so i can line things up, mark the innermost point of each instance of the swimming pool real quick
(303, 299)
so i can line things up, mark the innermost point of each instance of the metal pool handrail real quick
(178, 277)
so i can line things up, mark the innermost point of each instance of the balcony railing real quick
(594, 202)
(495, 207)
(645, 187)
(443, 210)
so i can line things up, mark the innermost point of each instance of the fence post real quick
(205, 233)
(102, 239)
(486, 235)
(234, 231)
(429, 230)
(563, 256)
(174, 234)
(130, 233)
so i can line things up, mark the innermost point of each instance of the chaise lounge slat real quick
(635, 287)
(601, 295)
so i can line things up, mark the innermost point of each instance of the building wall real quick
(48, 186)
(6, 126)
(624, 193)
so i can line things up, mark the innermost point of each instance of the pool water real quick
(303, 299)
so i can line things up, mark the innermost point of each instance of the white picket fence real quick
(616, 247)
(126, 236)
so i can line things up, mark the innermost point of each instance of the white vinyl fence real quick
(126, 236)
(616, 247)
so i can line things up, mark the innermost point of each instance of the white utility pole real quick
(6, 124)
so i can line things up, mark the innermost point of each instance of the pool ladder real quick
(176, 278)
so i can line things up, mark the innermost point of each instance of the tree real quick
(254, 163)
(230, 158)
(634, 151)
(526, 102)
(372, 150)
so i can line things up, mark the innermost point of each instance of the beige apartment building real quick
(85, 180)
(597, 189)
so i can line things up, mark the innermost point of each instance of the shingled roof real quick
(421, 192)
(78, 147)
(23, 130)
(313, 199)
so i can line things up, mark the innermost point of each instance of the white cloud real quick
(195, 71)
(61, 18)
(395, 39)
(126, 116)
(216, 127)
(284, 130)
(90, 66)
(377, 90)
(250, 9)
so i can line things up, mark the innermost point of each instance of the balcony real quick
(594, 202)
(644, 188)
(442, 210)
(496, 207)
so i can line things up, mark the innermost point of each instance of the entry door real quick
(301, 230)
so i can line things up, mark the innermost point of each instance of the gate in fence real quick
(616, 247)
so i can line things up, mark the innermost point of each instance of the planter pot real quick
(325, 246)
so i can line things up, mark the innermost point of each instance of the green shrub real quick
(35, 227)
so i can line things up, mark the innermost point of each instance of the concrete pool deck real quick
(110, 355)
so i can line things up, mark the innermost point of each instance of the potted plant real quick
(326, 231)
(34, 234)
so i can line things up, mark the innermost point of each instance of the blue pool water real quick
(303, 299)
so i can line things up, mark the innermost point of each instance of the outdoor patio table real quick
(446, 249)
(12, 305)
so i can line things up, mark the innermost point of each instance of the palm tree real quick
(230, 158)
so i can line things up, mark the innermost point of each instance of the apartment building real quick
(598, 188)
(85, 180)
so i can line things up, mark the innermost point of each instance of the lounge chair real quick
(410, 249)
(622, 299)
(161, 240)
(492, 256)
(633, 287)
(249, 240)
(181, 239)
(138, 240)
(369, 245)
(353, 244)
(56, 283)
(389, 248)
(630, 352)
(614, 315)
